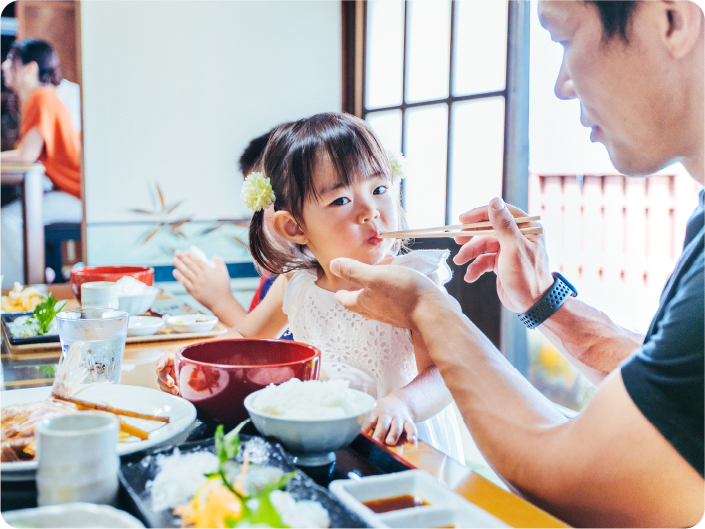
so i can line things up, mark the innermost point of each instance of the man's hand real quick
(519, 260)
(390, 294)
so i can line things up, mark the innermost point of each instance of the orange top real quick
(62, 144)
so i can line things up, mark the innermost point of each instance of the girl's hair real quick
(289, 161)
(32, 50)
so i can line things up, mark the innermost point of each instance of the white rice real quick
(179, 477)
(312, 399)
(129, 286)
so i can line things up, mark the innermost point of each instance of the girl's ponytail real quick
(259, 245)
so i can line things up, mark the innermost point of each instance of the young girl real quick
(331, 186)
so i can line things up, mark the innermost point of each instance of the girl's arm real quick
(267, 320)
(427, 394)
(419, 400)
(29, 149)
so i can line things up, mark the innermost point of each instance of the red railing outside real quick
(617, 239)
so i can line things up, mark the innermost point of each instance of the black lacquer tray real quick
(46, 338)
(138, 469)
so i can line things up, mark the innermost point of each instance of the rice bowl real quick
(310, 438)
(310, 400)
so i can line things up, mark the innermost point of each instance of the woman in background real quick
(32, 72)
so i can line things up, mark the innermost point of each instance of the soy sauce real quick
(394, 504)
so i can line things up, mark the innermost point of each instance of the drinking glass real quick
(100, 334)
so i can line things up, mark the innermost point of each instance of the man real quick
(634, 457)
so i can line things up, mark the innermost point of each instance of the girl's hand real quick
(390, 419)
(207, 285)
(166, 374)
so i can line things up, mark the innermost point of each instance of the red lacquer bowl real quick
(108, 273)
(216, 376)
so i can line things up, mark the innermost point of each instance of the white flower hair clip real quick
(257, 192)
(398, 163)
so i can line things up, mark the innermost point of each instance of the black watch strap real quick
(549, 303)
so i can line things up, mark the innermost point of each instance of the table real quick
(31, 177)
(141, 359)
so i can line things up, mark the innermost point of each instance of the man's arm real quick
(583, 334)
(598, 469)
(608, 467)
(590, 338)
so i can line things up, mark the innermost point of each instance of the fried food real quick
(21, 299)
(18, 421)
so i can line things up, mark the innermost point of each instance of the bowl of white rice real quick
(310, 418)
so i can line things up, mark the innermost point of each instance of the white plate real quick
(181, 414)
(143, 325)
(191, 322)
(71, 515)
(446, 508)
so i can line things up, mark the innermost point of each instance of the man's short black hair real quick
(252, 152)
(616, 16)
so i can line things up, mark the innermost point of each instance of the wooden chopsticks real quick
(459, 230)
(116, 411)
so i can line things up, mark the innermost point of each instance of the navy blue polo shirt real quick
(665, 377)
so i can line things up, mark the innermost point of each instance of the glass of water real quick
(101, 334)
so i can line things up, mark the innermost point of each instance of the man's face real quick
(625, 90)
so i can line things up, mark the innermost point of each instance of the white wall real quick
(173, 92)
(558, 142)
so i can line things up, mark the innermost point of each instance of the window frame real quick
(506, 331)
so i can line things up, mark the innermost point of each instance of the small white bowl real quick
(312, 442)
(143, 325)
(191, 322)
(137, 304)
(71, 515)
(444, 508)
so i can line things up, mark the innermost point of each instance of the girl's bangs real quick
(355, 153)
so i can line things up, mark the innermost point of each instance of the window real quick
(435, 89)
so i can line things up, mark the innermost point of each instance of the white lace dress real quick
(374, 357)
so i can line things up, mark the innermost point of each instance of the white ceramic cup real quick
(78, 458)
(99, 295)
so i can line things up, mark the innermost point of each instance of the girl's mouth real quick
(375, 239)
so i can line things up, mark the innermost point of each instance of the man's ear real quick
(682, 23)
(286, 227)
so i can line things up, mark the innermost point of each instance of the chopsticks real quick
(116, 411)
(461, 230)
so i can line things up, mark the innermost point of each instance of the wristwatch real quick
(549, 303)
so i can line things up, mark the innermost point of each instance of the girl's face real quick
(347, 221)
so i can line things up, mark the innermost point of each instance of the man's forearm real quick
(590, 337)
(509, 419)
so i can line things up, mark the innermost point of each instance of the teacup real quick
(99, 295)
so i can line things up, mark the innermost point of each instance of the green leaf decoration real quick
(44, 312)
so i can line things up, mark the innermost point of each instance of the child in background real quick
(211, 286)
(333, 190)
